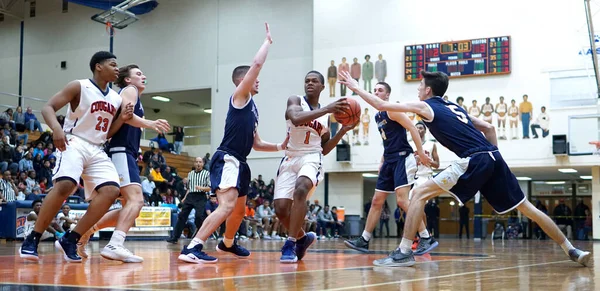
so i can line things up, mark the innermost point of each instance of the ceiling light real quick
(555, 182)
(586, 177)
(523, 178)
(567, 171)
(208, 110)
(161, 98)
(452, 203)
(369, 175)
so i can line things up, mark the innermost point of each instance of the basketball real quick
(350, 115)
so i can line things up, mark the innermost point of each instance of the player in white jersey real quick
(123, 149)
(424, 172)
(91, 108)
(513, 119)
(501, 110)
(487, 109)
(53, 230)
(301, 169)
(474, 110)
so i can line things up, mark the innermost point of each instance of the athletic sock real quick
(406, 245)
(118, 238)
(366, 235)
(424, 234)
(567, 246)
(195, 242)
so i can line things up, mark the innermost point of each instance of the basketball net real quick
(109, 28)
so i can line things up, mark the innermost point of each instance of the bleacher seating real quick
(182, 163)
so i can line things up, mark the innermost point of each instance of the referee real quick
(195, 198)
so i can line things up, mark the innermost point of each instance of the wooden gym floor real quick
(454, 265)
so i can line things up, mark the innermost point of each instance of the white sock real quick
(273, 233)
(424, 234)
(406, 245)
(567, 246)
(228, 242)
(366, 235)
(195, 242)
(292, 239)
(118, 238)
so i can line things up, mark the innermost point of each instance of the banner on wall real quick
(154, 216)
(22, 219)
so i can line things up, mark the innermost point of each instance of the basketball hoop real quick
(118, 16)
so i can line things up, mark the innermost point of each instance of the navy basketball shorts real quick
(226, 171)
(397, 173)
(126, 165)
(486, 172)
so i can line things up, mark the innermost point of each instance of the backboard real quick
(583, 129)
(118, 16)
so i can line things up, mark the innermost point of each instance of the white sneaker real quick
(267, 237)
(81, 250)
(276, 237)
(120, 253)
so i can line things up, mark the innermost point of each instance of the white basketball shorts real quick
(291, 167)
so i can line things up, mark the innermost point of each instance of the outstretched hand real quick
(347, 80)
(349, 127)
(268, 33)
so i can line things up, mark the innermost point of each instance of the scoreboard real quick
(464, 58)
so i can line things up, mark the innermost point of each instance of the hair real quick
(388, 89)
(35, 201)
(367, 56)
(319, 75)
(239, 72)
(99, 58)
(124, 73)
(437, 81)
(511, 101)
(525, 95)
(421, 123)
(501, 97)
(460, 98)
(544, 107)
(487, 98)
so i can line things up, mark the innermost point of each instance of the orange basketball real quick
(349, 116)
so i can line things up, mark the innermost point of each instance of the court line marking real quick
(447, 276)
(273, 274)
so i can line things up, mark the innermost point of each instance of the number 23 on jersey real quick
(102, 124)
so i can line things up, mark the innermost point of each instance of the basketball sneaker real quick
(359, 244)
(195, 255)
(304, 243)
(82, 243)
(28, 249)
(120, 253)
(396, 259)
(235, 249)
(69, 248)
(288, 252)
(580, 256)
(426, 245)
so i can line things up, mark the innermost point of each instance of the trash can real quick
(353, 225)
(484, 227)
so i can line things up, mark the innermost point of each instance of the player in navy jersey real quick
(229, 172)
(480, 167)
(123, 151)
(397, 171)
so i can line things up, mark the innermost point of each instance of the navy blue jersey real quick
(129, 136)
(452, 128)
(240, 127)
(393, 135)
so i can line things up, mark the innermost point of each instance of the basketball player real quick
(501, 109)
(487, 109)
(300, 170)
(474, 110)
(229, 172)
(459, 101)
(480, 167)
(365, 120)
(424, 172)
(396, 172)
(513, 119)
(91, 108)
(123, 150)
(51, 231)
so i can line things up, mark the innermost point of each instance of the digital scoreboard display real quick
(464, 58)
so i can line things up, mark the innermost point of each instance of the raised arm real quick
(263, 146)
(488, 130)
(419, 107)
(65, 96)
(298, 116)
(403, 120)
(242, 91)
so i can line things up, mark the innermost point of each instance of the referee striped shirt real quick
(201, 179)
(7, 191)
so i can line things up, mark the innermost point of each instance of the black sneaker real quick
(396, 259)
(28, 249)
(68, 248)
(359, 244)
(580, 256)
(172, 241)
(425, 245)
(235, 249)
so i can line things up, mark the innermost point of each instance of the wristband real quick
(279, 147)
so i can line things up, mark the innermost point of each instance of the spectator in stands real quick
(155, 198)
(43, 185)
(562, 214)
(35, 195)
(310, 219)
(207, 162)
(178, 139)
(162, 162)
(26, 164)
(6, 140)
(169, 177)
(162, 141)
(31, 121)
(580, 217)
(432, 211)
(268, 219)
(339, 226)
(5, 118)
(21, 196)
(7, 155)
(38, 163)
(46, 172)
(31, 182)
(19, 119)
(8, 187)
(39, 149)
(147, 156)
(325, 221)
(399, 216)
(384, 219)
(18, 139)
(250, 221)
(6, 128)
(49, 149)
(147, 187)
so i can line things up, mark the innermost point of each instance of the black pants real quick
(194, 200)
(432, 226)
(466, 225)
